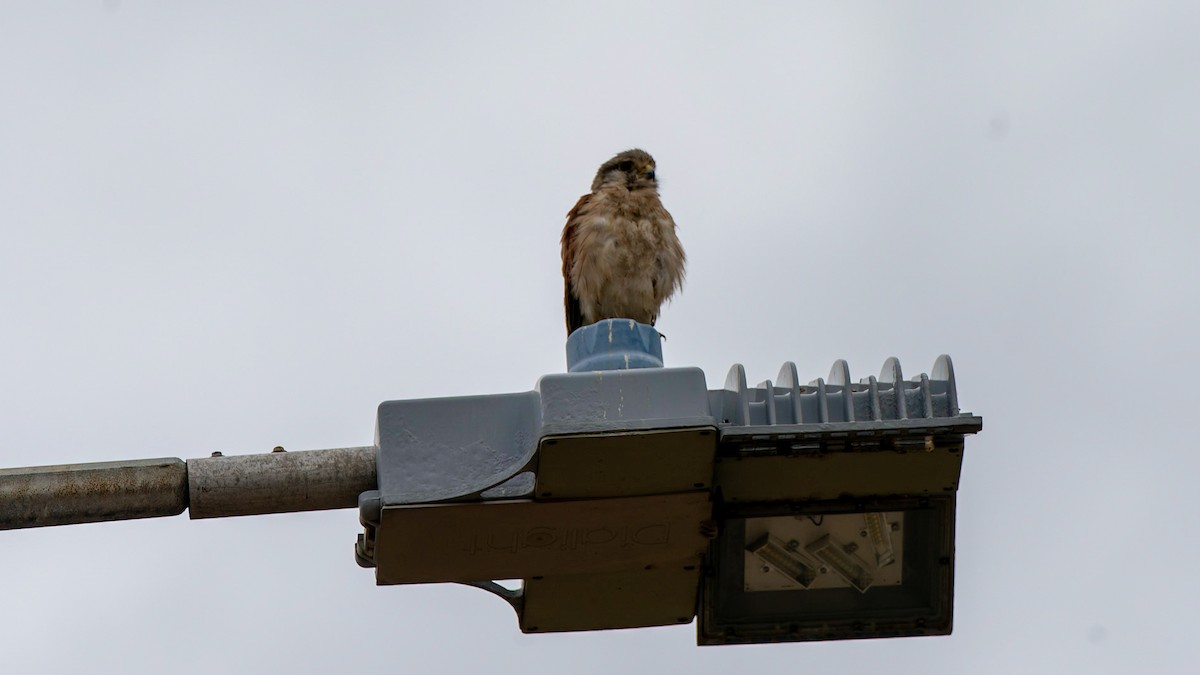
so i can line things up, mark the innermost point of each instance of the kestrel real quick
(621, 258)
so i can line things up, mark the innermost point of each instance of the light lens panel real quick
(829, 571)
(855, 550)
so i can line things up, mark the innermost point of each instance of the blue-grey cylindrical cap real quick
(614, 344)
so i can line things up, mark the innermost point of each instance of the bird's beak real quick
(650, 172)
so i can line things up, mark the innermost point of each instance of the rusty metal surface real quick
(279, 482)
(654, 595)
(65, 494)
(520, 539)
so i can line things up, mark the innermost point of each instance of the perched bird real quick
(621, 258)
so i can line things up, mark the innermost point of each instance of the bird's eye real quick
(625, 166)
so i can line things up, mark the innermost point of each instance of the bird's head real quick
(633, 169)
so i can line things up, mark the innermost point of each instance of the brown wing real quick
(570, 300)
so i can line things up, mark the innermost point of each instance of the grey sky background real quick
(229, 226)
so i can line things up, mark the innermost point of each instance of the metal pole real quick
(212, 487)
(65, 494)
(279, 482)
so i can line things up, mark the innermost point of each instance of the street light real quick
(621, 494)
(777, 513)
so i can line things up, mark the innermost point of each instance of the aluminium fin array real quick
(839, 399)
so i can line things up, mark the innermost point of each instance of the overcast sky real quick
(229, 226)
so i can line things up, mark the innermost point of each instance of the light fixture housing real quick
(835, 507)
(638, 497)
